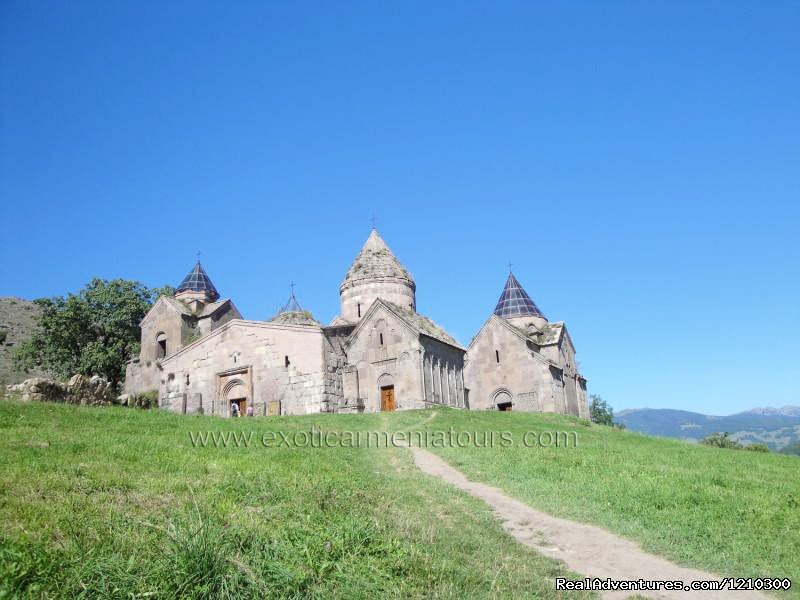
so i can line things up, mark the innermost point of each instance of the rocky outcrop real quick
(81, 390)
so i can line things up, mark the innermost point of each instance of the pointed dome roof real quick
(293, 314)
(376, 261)
(515, 302)
(198, 281)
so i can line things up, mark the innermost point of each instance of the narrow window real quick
(187, 379)
(359, 311)
(161, 345)
(381, 336)
(497, 356)
(286, 362)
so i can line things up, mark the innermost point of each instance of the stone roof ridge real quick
(422, 324)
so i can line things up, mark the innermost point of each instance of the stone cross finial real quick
(373, 220)
(510, 264)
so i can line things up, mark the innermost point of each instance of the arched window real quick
(161, 345)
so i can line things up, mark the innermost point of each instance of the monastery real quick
(379, 354)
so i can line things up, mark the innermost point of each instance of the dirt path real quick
(588, 550)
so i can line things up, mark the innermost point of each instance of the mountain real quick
(775, 427)
(17, 324)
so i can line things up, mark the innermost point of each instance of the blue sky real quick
(639, 163)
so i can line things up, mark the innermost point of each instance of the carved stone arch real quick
(235, 388)
(502, 399)
(385, 380)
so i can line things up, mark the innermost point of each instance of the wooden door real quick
(387, 398)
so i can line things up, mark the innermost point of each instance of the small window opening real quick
(161, 345)
(359, 311)
(497, 356)
(187, 379)
(381, 337)
(286, 361)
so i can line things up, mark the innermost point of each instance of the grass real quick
(113, 502)
(733, 513)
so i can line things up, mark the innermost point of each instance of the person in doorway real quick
(249, 411)
(234, 409)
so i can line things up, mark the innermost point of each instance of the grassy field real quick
(115, 502)
(732, 512)
(112, 502)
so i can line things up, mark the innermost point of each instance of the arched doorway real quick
(235, 392)
(502, 400)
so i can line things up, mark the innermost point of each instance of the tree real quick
(93, 332)
(600, 411)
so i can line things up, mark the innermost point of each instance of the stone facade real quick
(380, 354)
(520, 361)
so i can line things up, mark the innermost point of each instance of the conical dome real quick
(515, 302)
(375, 273)
(292, 313)
(375, 261)
(198, 281)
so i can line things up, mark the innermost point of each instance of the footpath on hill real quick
(588, 550)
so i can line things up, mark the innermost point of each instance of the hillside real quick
(17, 324)
(128, 489)
(775, 427)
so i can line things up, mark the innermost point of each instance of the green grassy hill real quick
(115, 502)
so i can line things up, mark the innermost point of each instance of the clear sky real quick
(637, 162)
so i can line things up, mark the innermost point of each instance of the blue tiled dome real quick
(198, 281)
(515, 302)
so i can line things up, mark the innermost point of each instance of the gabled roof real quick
(515, 302)
(523, 337)
(207, 310)
(420, 324)
(198, 280)
(376, 261)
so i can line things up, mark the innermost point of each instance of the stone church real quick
(379, 354)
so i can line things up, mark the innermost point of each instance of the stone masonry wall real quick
(275, 366)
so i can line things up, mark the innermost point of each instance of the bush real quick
(721, 440)
(757, 448)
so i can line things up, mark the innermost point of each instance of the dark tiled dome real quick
(198, 281)
(515, 302)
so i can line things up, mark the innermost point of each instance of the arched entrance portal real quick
(235, 393)
(502, 400)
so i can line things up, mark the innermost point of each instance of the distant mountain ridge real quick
(775, 427)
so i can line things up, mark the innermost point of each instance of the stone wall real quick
(358, 296)
(384, 352)
(442, 374)
(279, 368)
(500, 364)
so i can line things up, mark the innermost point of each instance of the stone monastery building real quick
(379, 354)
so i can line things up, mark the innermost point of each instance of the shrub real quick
(757, 448)
(721, 440)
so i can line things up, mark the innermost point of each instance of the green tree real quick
(92, 332)
(600, 411)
